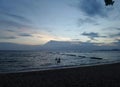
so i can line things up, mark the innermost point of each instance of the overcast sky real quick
(39, 21)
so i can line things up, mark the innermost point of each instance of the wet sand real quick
(92, 76)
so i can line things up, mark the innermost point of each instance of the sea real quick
(25, 61)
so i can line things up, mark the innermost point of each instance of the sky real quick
(35, 22)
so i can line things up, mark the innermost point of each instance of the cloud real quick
(25, 35)
(92, 35)
(39, 37)
(75, 39)
(12, 20)
(7, 24)
(115, 35)
(117, 28)
(86, 20)
(5, 37)
(15, 16)
(10, 30)
(112, 31)
(112, 28)
(92, 8)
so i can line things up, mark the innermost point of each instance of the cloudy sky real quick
(36, 22)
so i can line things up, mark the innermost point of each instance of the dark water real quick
(20, 61)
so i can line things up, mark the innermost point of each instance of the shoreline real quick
(107, 75)
(60, 67)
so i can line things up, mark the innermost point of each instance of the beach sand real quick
(93, 76)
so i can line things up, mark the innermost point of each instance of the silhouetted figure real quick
(109, 2)
(58, 60)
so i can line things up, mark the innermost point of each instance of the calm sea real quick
(22, 61)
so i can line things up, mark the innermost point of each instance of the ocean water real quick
(22, 61)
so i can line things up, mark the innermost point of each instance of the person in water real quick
(58, 60)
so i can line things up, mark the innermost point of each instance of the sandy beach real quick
(92, 76)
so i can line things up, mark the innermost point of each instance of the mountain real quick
(57, 46)
(74, 46)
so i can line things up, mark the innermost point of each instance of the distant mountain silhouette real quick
(109, 50)
(56, 46)
(73, 46)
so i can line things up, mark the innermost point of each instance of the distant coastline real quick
(108, 50)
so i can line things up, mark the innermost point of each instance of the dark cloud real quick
(20, 18)
(75, 39)
(25, 35)
(11, 20)
(92, 7)
(92, 35)
(15, 16)
(5, 37)
(10, 30)
(11, 24)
